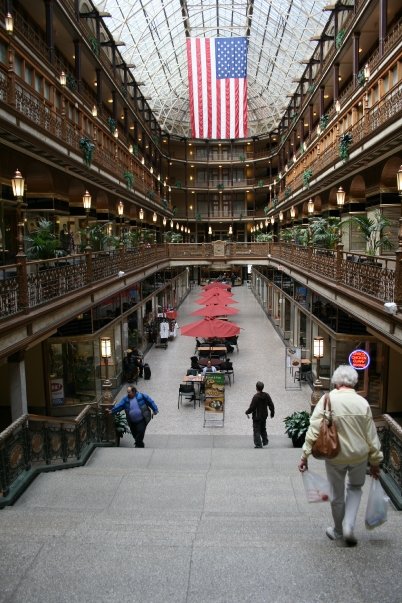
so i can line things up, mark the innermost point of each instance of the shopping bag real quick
(377, 505)
(318, 488)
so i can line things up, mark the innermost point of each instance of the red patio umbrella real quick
(217, 285)
(215, 299)
(215, 310)
(210, 327)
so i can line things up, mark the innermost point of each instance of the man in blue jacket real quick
(138, 408)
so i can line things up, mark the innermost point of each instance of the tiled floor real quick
(261, 356)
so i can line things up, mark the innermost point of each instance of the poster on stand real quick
(214, 403)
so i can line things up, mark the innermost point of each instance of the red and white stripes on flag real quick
(218, 105)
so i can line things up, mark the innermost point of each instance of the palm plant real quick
(373, 228)
(302, 235)
(173, 237)
(326, 232)
(98, 237)
(264, 237)
(132, 238)
(42, 243)
(287, 234)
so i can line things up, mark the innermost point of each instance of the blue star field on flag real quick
(231, 57)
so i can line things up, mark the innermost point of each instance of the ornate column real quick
(49, 28)
(355, 56)
(382, 24)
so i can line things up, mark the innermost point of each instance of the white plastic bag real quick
(377, 506)
(317, 488)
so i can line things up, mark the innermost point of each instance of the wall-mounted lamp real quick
(18, 185)
(63, 78)
(154, 217)
(272, 220)
(164, 221)
(280, 216)
(106, 353)
(130, 149)
(87, 201)
(230, 230)
(340, 197)
(310, 207)
(366, 72)
(9, 23)
(399, 180)
(94, 111)
(116, 133)
(318, 353)
(292, 213)
(337, 106)
(177, 226)
(171, 224)
(209, 230)
(141, 214)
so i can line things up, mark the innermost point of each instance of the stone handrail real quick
(33, 443)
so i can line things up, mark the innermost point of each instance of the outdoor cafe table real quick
(209, 348)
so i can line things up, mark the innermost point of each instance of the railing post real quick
(89, 263)
(11, 78)
(398, 280)
(310, 251)
(338, 266)
(22, 279)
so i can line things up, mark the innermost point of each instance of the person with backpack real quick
(138, 407)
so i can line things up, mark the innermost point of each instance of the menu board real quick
(214, 397)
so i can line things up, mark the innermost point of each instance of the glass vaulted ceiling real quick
(154, 34)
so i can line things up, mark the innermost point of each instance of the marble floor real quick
(261, 356)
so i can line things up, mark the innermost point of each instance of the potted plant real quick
(344, 143)
(373, 229)
(87, 147)
(129, 178)
(112, 123)
(120, 425)
(326, 232)
(296, 426)
(264, 237)
(42, 243)
(307, 176)
(324, 119)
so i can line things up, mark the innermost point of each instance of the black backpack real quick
(147, 372)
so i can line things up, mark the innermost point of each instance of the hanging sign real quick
(359, 359)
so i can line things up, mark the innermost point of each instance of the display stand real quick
(163, 331)
(214, 401)
(292, 366)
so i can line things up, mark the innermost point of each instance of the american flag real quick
(217, 73)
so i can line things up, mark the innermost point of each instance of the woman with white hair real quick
(359, 444)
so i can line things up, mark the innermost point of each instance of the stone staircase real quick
(197, 519)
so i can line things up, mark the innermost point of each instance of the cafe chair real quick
(228, 371)
(186, 391)
(192, 371)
